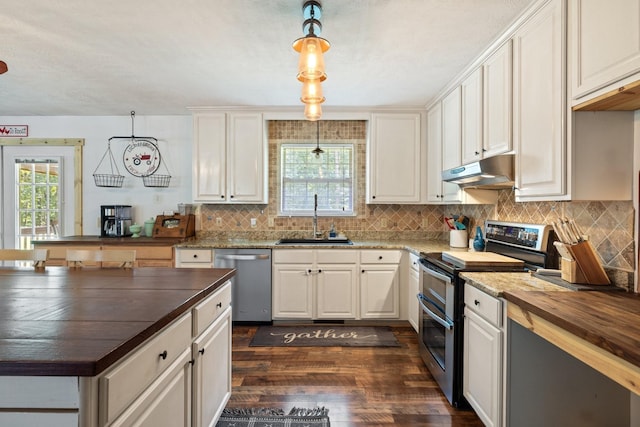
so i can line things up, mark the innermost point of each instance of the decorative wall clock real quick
(141, 157)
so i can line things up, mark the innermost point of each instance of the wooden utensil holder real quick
(585, 266)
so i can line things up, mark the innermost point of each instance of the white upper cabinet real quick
(539, 116)
(229, 158)
(605, 43)
(497, 102)
(471, 88)
(452, 142)
(394, 158)
(434, 154)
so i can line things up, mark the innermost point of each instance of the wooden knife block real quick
(585, 266)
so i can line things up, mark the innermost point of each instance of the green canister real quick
(148, 226)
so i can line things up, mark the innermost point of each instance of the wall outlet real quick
(271, 222)
(254, 222)
(219, 222)
(425, 223)
(383, 222)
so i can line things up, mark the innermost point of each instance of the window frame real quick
(282, 145)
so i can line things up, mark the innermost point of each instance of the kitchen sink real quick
(302, 241)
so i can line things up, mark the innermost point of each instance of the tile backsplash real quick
(609, 225)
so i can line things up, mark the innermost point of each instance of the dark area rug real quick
(324, 336)
(274, 417)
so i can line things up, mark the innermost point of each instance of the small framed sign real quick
(14, 131)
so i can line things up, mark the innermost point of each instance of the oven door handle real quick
(437, 275)
(448, 324)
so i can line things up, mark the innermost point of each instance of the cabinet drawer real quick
(208, 310)
(195, 255)
(339, 256)
(292, 256)
(484, 304)
(122, 384)
(380, 257)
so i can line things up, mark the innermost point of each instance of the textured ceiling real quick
(83, 57)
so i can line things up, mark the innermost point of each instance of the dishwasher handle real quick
(249, 257)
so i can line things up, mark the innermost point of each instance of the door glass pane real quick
(37, 199)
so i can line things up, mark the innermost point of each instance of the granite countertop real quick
(413, 246)
(496, 284)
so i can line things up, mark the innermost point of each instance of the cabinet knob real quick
(222, 197)
(195, 255)
(373, 197)
(484, 150)
(363, 271)
(477, 153)
(380, 257)
(309, 271)
(219, 305)
(319, 271)
(476, 302)
(201, 351)
(231, 196)
(163, 355)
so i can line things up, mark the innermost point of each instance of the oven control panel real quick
(530, 236)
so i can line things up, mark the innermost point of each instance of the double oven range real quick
(442, 296)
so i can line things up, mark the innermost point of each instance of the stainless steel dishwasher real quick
(251, 286)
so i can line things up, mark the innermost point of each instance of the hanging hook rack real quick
(133, 137)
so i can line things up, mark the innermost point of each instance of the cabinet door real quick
(166, 402)
(212, 371)
(605, 43)
(393, 171)
(434, 154)
(539, 124)
(336, 291)
(482, 367)
(292, 291)
(209, 157)
(471, 94)
(451, 140)
(497, 101)
(246, 159)
(414, 289)
(379, 292)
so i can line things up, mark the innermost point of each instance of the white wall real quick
(174, 134)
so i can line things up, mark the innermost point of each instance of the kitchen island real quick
(98, 347)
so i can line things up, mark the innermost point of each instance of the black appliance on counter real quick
(115, 220)
(442, 296)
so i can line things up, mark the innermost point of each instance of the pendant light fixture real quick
(317, 151)
(311, 71)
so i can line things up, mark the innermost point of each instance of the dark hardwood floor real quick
(361, 386)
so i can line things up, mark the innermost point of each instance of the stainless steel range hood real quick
(493, 172)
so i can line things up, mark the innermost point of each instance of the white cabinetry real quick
(194, 258)
(379, 284)
(471, 92)
(229, 158)
(314, 284)
(211, 352)
(394, 158)
(439, 192)
(451, 141)
(413, 290)
(605, 44)
(482, 358)
(497, 101)
(539, 114)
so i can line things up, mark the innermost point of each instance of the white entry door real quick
(37, 194)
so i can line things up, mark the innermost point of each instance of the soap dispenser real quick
(332, 233)
(478, 241)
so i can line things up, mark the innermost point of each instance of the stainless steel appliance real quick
(115, 220)
(251, 286)
(442, 295)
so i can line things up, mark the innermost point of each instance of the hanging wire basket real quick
(112, 179)
(158, 180)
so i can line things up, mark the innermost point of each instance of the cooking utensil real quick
(449, 222)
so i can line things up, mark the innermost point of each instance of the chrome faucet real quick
(316, 233)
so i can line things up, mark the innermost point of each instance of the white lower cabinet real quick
(483, 355)
(379, 284)
(413, 290)
(212, 371)
(314, 284)
(325, 284)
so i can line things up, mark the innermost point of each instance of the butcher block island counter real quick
(100, 347)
